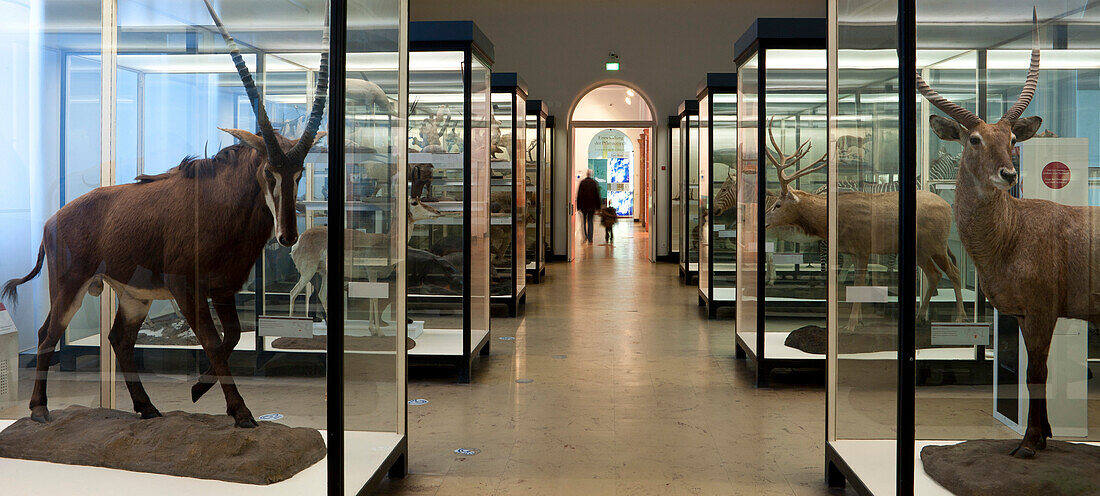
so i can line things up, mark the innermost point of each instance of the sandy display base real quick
(984, 467)
(182, 444)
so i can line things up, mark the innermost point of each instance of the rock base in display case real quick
(984, 467)
(182, 444)
(351, 343)
(815, 340)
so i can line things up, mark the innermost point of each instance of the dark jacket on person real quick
(608, 217)
(588, 195)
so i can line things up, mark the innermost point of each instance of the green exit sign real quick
(612, 66)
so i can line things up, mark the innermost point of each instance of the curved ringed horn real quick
(1028, 92)
(274, 152)
(300, 149)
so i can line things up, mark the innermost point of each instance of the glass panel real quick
(374, 373)
(691, 193)
(863, 388)
(437, 178)
(534, 128)
(748, 228)
(704, 195)
(675, 176)
(796, 136)
(723, 187)
(480, 116)
(1041, 372)
(507, 197)
(50, 56)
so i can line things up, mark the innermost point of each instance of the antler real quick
(1032, 74)
(320, 95)
(786, 161)
(274, 152)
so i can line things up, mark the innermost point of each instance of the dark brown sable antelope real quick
(1037, 260)
(191, 234)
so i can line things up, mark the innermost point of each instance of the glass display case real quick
(176, 280)
(685, 205)
(977, 134)
(538, 190)
(781, 144)
(718, 191)
(451, 129)
(508, 194)
(551, 169)
(668, 204)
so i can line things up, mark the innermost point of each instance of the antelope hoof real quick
(200, 388)
(40, 414)
(1022, 451)
(244, 419)
(148, 413)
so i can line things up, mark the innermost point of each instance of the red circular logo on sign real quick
(1056, 175)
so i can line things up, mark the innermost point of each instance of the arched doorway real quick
(611, 131)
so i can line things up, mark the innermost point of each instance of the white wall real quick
(559, 47)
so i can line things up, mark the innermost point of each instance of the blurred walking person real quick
(588, 201)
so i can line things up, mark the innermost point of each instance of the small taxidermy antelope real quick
(191, 234)
(310, 256)
(1036, 259)
(867, 225)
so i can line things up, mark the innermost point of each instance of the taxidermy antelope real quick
(310, 257)
(868, 225)
(190, 234)
(1036, 259)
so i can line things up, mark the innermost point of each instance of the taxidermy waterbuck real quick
(1037, 260)
(191, 234)
(868, 225)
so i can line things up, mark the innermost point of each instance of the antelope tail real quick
(9, 287)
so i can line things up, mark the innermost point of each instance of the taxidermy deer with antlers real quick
(191, 234)
(868, 225)
(1036, 259)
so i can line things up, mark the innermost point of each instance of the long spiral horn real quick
(1032, 74)
(319, 97)
(953, 110)
(274, 152)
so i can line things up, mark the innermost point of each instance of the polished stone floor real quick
(632, 392)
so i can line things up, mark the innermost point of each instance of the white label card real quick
(727, 234)
(960, 334)
(788, 258)
(286, 327)
(867, 294)
(368, 290)
(769, 247)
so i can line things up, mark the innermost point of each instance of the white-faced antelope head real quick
(282, 159)
(986, 159)
(786, 209)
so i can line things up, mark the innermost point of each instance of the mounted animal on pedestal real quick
(867, 224)
(191, 234)
(1036, 259)
(310, 257)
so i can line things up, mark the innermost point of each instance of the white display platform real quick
(247, 343)
(437, 342)
(365, 452)
(530, 265)
(725, 294)
(693, 266)
(774, 348)
(874, 461)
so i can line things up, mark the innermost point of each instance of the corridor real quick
(615, 384)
